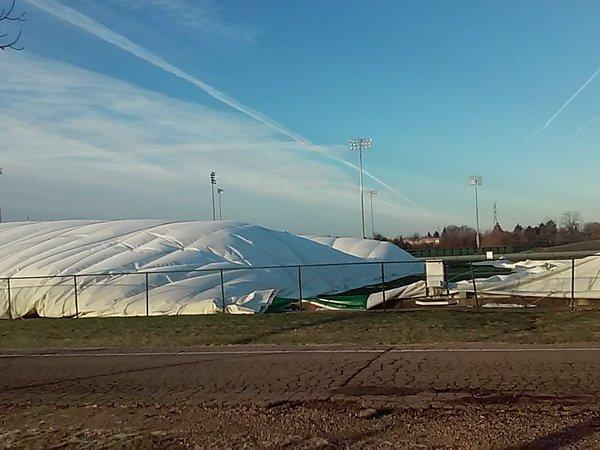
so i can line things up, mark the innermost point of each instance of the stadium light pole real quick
(361, 144)
(219, 192)
(371, 193)
(213, 181)
(476, 181)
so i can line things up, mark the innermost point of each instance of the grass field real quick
(356, 328)
(572, 247)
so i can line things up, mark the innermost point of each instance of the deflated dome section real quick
(134, 267)
(365, 248)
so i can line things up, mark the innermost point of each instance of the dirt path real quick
(274, 397)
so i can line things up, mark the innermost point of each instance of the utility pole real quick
(371, 193)
(213, 181)
(219, 192)
(361, 144)
(476, 181)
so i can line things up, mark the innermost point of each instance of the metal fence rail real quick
(465, 272)
(75, 280)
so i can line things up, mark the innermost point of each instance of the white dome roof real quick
(183, 259)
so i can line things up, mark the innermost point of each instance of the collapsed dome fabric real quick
(182, 261)
(548, 279)
(364, 248)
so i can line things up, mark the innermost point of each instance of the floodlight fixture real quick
(213, 181)
(360, 143)
(219, 192)
(476, 180)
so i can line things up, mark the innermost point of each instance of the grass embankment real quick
(354, 328)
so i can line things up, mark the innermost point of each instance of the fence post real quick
(76, 296)
(383, 285)
(300, 286)
(474, 285)
(445, 265)
(147, 297)
(573, 283)
(222, 290)
(9, 299)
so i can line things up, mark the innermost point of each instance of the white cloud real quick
(78, 144)
(197, 16)
(87, 23)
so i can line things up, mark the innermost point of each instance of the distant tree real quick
(529, 236)
(458, 237)
(591, 230)
(379, 237)
(547, 233)
(570, 222)
(497, 237)
(7, 15)
(518, 234)
(400, 242)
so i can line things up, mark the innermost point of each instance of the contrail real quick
(78, 19)
(565, 105)
(584, 126)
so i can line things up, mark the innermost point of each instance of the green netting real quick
(341, 301)
(281, 304)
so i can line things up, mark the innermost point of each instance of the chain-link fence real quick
(373, 285)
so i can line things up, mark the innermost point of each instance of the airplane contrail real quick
(565, 105)
(78, 19)
(585, 125)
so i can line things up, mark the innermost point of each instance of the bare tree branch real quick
(10, 15)
(12, 45)
(7, 15)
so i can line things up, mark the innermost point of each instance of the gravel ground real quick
(339, 398)
(321, 424)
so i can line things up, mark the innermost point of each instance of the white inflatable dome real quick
(135, 267)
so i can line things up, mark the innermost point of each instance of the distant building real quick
(422, 241)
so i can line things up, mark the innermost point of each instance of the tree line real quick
(570, 228)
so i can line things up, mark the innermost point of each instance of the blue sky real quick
(445, 89)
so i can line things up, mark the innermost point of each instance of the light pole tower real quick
(476, 181)
(361, 144)
(371, 193)
(219, 192)
(213, 181)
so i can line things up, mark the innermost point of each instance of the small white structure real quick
(435, 274)
(134, 267)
